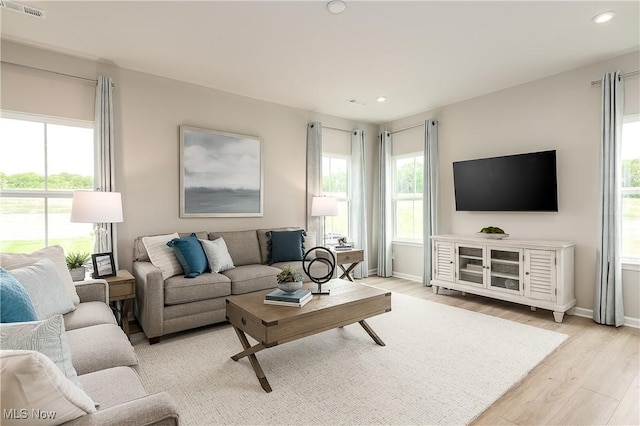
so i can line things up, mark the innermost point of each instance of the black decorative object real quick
(330, 261)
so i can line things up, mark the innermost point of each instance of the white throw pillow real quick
(217, 255)
(47, 337)
(11, 261)
(31, 384)
(45, 287)
(163, 256)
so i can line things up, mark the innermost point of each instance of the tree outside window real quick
(42, 161)
(631, 190)
(335, 183)
(408, 196)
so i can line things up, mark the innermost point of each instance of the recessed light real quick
(381, 99)
(336, 6)
(603, 17)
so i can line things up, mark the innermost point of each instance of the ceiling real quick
(421, 55)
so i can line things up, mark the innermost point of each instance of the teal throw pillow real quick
(190, 254)
(286, 246)
(15, 304)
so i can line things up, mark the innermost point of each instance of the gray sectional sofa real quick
(101, 355)
(177, 303)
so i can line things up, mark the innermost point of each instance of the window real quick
(335, 183)
(407, 196)
(42, 161)
(631, 190)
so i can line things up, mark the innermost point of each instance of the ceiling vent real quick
(20, 8)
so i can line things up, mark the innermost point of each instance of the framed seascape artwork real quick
(220, 174)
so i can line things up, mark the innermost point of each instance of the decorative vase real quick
(290, 287)
(78, 274)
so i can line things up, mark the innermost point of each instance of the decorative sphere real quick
(329, 260)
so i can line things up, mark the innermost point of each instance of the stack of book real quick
(298, 298)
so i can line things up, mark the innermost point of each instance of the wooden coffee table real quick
(272, 325)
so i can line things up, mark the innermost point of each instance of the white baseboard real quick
(407, 277)
(588, 313)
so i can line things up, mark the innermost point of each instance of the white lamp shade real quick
(324, 206)
(96, 207)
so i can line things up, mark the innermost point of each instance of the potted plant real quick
(289, 280)
(75, 264)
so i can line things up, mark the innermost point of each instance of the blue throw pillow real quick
(286, 246)
(15, 304)
(190, 255)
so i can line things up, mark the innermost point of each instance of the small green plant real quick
(288, 275)
(492, 230)
(76, 259)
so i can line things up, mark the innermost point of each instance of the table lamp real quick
(97, 207)
(324, 206)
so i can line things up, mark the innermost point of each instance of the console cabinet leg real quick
(435, 289)
(558, 316)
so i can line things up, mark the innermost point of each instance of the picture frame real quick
(221, 174)
(103, 265)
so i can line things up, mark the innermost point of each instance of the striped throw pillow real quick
(162, 256)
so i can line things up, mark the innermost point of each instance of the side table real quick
(351, 257)
(122, 287)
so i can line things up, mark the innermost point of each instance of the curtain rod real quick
(335, 128)
(628, 74)
(407, 128)
(46, 71)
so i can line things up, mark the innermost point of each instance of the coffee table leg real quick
(252, 359)
(372, 333)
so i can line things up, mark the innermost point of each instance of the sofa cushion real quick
(113, 386)
(285, 246)
(99, 347)
(209, 285)
(217, 254)
(263, 241)
(88, 314)
(31, 381)
(190, 254)
(162, 256)
(15, 304)
(47, 337)
(242, 245)
(45, 287)
(248, 278)
(11, 261)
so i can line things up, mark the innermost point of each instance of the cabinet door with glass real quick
(470, 265)
(504, 269)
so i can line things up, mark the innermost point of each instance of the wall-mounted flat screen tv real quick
(522, 182)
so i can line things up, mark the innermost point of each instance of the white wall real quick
(561, 112)
(148, 113)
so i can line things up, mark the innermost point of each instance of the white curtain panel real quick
(358, 219)
(385, 208)
(608, 307)
(314, 177)
(430, 207)
(105, 157)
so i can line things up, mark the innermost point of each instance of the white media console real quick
(529, 272)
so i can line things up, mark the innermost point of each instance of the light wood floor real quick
(592, 379)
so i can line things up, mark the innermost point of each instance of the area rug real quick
(440, 365)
